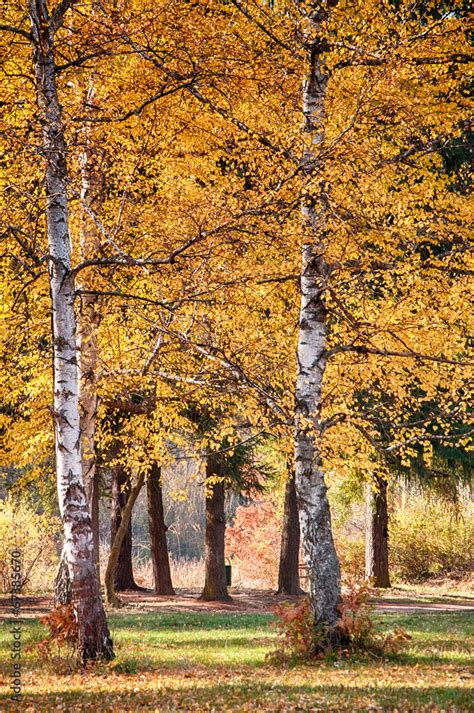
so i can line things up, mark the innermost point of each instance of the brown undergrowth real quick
(357, 631)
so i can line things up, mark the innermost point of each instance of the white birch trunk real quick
(315, 519)
(94, 639)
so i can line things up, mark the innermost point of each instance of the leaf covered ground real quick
(218, 662)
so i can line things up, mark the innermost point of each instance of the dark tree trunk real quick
(94, 506)
(123, 578)
(62, 583)
(157, 527)
(116, 544)
(376, 533)
(288, 575)
(215, 587)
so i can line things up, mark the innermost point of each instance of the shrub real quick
(62, 626)
(60, 647)
(432, 537)
(294, 625)
(359, 625)
(300, 638)
(33, 534)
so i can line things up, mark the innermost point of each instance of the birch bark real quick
(315, 518)
(94, 639)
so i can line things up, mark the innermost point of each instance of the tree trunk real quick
(157, 527)
(110, 594)
(62, 583)
(376, 533)
(93, 634)
(123, 577)
(215, 587)
(315, 519)
(89, 311)
(288, 574)
(88, 359)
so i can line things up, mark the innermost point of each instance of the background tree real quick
(215, 585)
(121, 486)
(157, 528)
(376, 537)
(289, 572)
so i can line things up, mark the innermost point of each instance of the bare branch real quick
(372, 60)
(362, 349)
(125, 296)
(433, 438)
(82, 60)
(241, 8)
(421, 148)
(125, 259)
(221, 111)
(17, 31)
(133, 112)
(57, 15)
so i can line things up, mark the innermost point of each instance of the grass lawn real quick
(216, 662)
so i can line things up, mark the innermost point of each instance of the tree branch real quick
(221, 111)
(133, 112)
(17, 31)
(57, 16)
(260, 25)
(422, 148)
(362, 349)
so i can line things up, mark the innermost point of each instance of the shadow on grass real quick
(149, 641)
(263, 696)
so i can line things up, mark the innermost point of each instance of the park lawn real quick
(217, 662)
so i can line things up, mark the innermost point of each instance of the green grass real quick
(198, 639)
(203, 661)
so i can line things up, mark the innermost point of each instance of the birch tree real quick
(89, 316)
(94, 638)
(315, 519)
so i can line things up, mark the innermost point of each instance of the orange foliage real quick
(62, 626)
(254, 542)
(301, 638)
